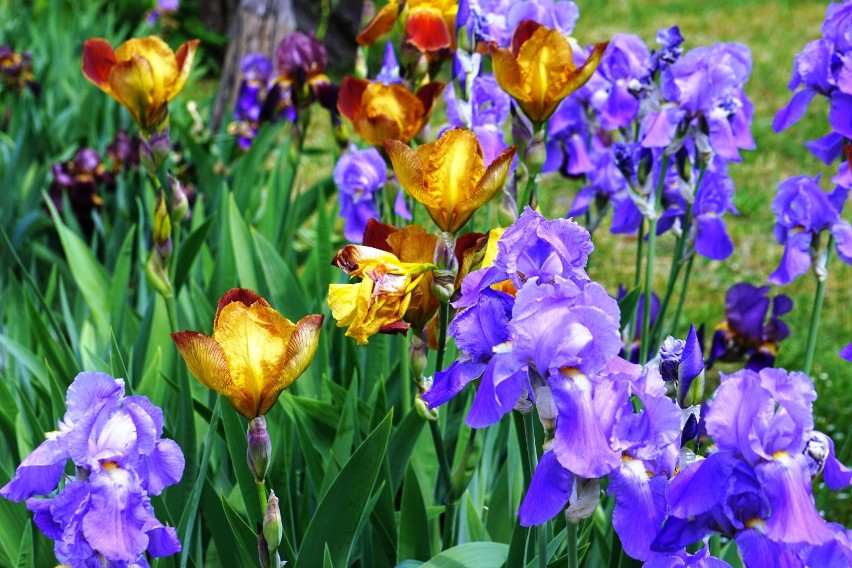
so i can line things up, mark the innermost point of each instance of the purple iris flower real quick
(496, 20)
(802, 212)
(485, 113)
(359, 175)
(846, 352)
(704, 91)
(257, 71)
(624, 68)
(559, 15)
(837, 26)
(756, 488)
(746, 331)
(700, 559)
(104, 515)
(567, 141)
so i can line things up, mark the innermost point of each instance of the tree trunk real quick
(257, 26)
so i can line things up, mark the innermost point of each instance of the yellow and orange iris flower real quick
(254, 352)
(143, 74)
(429, 24)
(449, 176)
(539, 71)
(379, 301)
(378, 111)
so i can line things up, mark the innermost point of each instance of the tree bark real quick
(257, 26)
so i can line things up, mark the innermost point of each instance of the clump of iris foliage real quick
(516, 289)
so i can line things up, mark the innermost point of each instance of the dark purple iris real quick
(80, 182)
(746, 332)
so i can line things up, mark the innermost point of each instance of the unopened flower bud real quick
(158, 275)
(262, 549)
(585, 496)
(443, 284)
(259, 448)
(422, 408)
(179, 201)
(535, 155)
(273, 529)
(154, 149)
(418, 357)
(162, 225)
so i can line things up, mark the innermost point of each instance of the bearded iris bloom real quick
(756, 488)
(143, 74)
(539, 70)
(359, 176)
(449, 176)
(378, 111)
(103, 515)
(253, 354)
(429, 24)
(378, 303)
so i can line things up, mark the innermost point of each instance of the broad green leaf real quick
(414, 537)
(471, 555)
(120, 283)
(243, 534)
(285, 290)
(25, 552)
(188, 251)
(336, 520)
(88, 272)
(187, 519)
(241, 243)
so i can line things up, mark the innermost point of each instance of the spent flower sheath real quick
(253, 354)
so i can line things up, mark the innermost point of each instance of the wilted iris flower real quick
(359, 176)
(756, 489)
(803, 211)
(253, 354)
(449, 176)
(379, 301)
(102, 515)
(80, 181)
(143, 74)
(378, 111)
(746, 331)
(539, 71)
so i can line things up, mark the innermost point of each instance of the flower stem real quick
(649, 264)
(172, 311)
(813, 330)
(674, 272)
(532, 456)
(573, 556)
(637, 278)
(261, 495)
(444, 315)
(683, 288)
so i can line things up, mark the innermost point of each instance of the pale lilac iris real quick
(104, 514)
(359, 176)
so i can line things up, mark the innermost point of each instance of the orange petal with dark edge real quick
(427, 30)
(376, 235)
(132, 84)
(350, 95)
(185, 56)
(428, 94)
(523, 32)
(206, 361)
(98, 61)
(580, 77)
(244, 295)
(381, 24)
(301, 348)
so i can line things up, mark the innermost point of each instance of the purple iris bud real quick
(682, 362)
(670, 354)
(670, 41)
(389, 73)
(803, 211)
(359, 175)
(121, 458)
